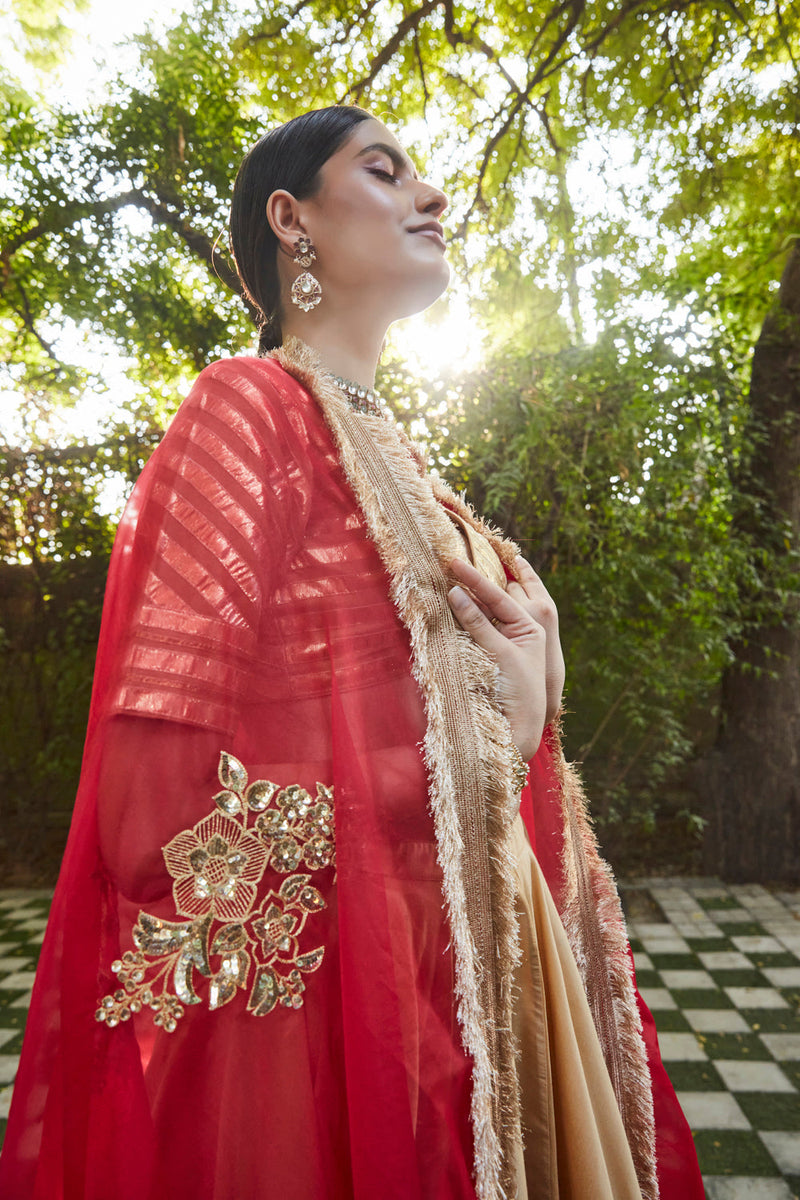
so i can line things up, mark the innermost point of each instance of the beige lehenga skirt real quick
(574, 1142)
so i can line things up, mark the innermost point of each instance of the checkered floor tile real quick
(23, 916)
(720, 968)
(718, 965)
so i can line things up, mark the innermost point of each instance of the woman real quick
(301, 946)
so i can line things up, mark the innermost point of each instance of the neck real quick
(350, 349)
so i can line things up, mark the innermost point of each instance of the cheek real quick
(365, 213)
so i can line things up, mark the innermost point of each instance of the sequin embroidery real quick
(230, 938)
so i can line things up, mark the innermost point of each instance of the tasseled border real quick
(594, 922)
(468, 755)
(386, 472)
(595, 925)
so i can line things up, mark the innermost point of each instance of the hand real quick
(518, 628)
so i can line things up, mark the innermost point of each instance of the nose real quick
(430, 199)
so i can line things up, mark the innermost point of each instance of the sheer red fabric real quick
(247, 986)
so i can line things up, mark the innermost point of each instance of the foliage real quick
(623, 181)
(54, 549)
(613, 467)
(111, 214)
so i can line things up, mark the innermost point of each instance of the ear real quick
(283, 214)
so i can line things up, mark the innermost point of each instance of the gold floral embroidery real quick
(216, 867)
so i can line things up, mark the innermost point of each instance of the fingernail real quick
(457, 594)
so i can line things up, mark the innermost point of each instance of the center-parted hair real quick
(290, 157)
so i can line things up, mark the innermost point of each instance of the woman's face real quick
(375, 227)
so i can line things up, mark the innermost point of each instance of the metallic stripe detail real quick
(455, 701)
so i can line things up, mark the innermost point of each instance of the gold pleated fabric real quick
(575, 1144)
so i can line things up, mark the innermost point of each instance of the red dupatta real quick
(279, 955)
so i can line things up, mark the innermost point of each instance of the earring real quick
(304, 251)
(306, 291)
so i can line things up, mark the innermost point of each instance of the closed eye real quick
(387, 175)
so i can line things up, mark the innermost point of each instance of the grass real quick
(694, 1077)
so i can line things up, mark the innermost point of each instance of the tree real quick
(55, 542)
(625, 508)
(636, 313)
(752, 779)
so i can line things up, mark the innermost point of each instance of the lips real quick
(432, 230)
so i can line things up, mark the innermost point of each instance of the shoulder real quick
(250, 377)
(234, 445)
(245, 399)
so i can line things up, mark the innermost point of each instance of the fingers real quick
(474, 621)
(493, 603)
(504, 627)
(540, 604)
(533, 595)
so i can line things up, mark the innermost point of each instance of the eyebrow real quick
(398, 160)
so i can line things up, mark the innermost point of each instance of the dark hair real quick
(289, 157)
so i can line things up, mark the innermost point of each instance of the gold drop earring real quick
(306, 291)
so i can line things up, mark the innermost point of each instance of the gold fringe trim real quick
(595, 925)
(467, 753)
(469, 759)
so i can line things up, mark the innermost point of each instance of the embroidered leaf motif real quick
(216, 867)
(184, 970)
(156, 937)
(310, 900)
(228, 802)
(292, 886)
(221, 989)
(231, 773)
(311, 960)
(196, 947)
(231, 976)
(230, 937)
(259, 794)
(264, 995)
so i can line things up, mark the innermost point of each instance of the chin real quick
(424, 291)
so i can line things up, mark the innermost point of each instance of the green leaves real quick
(615, 466)
(623, 182)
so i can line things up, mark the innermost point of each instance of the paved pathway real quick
(720, 968)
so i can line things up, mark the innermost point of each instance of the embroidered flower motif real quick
(286, 855)
(299, 829)
(216, 867)
(318, 852)
(275, 929)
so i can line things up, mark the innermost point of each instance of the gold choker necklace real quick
(362, 399)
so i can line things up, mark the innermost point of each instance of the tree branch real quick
(478, 200)
(421, 65)
(26, 316)
(784, 35)
(77, 213)
(160, 211)
(356, 23)
(269, 34)
(197, 241)
(457, 38)
(411, 21)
